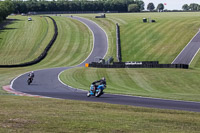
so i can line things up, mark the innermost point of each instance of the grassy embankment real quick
(23, 40)
(74, 40)
(161, 41)
(24, 114)
(70, 42)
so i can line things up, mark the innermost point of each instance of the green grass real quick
(160, 83)
(23, 40)
(23, 114)
(108, 26)
(74, 40)
(161, 41)
(73, 45)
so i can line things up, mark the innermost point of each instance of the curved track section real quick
(46, 82)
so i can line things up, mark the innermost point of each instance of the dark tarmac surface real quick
(188, 53)
(46, 82)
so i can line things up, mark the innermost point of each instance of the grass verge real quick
(25, 114)
(161, 41)
(51, 115)
(23, 40)
(175, 84)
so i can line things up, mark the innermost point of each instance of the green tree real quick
(6, 8)
(150, 6)
(160, 7)
(133, 8)
(194, 7)
(185, 7)
(140, 4)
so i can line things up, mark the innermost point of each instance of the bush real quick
(133, 8)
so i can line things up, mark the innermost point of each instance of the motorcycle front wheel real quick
(88, 94)
(98, 94)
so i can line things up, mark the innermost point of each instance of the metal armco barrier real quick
(43, 54)
(145, 64)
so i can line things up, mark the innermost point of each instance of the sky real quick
(171, 4)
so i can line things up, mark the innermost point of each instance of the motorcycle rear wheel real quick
(29, 81)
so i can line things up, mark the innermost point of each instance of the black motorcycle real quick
(30, 80)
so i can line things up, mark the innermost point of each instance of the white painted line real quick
(186, 46)
(93, 43)
(194, 56)
(105, 34)
(68, 85)
(102, 30)
(90, 53)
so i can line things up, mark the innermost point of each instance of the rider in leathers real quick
(31, 75)
(102, 81)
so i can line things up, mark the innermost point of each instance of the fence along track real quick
(42, 55)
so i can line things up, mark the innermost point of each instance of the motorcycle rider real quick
(102, 81)
(31, 75)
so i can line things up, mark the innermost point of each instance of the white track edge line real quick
(121, 94)
(11, 85)
(85, 90)
(90, 53)
(194, 56)
(186, 46)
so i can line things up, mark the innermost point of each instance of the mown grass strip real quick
(24, 114)
(161, 41)
(159, 83)
(73, 45)
(42, 55)
(51, 115)
(21, 40)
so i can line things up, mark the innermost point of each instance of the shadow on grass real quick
(9, 28)
(7, 22)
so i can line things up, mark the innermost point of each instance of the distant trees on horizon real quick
(185, 7)
(159, 8)
(24, 6)
(191, 7)
(77, 5)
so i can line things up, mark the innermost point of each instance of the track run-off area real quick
(47, 83)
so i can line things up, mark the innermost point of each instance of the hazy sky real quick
(171, 4)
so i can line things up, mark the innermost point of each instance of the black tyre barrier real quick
(118, 43)
(42, 55)
(145, 64)
(101, 16)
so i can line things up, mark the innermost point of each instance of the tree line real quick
(151, 7)
(76, 5)
(185, 7)
(6, 8)
(191, 7)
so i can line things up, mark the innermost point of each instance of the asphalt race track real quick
(189, 52)
(46, 82)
